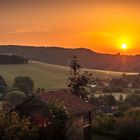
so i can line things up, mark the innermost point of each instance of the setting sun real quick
(124, 46)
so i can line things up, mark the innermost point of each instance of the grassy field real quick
(45, 75)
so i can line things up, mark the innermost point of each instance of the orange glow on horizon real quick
(106, 27)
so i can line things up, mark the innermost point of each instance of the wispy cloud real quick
(98, 33)
(30, 30)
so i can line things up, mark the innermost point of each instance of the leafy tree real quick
(74, 65)
(124, 106)
(118, 84)
(107, 100)
(78, 82)
(133, 100)
(94, 100)
(56, 127)
(136, 81)
(110, 99)
(3, 84)
(59, 122)
(12, 127)
(24, 84)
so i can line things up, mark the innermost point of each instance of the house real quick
(80, 111)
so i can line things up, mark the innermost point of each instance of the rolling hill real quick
(88, 59)
(45, 75)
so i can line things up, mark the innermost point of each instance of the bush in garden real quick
(59, 122)
(133, 100)
(133, 113)
(12, 127)
(127, 129)
(15, 97)
(103, 123)
(15, 127)
(118, 114)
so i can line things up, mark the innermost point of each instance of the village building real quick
(81, 111)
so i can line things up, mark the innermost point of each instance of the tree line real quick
(12, 59)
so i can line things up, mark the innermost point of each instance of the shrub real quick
(3, 84)
(127, 129)
(57, 127)
(133, 113)
(123, 106)
(12, 127)
(103, 124)
(137, 91)
(106, 100)
(15, 97)
(118, 114)
(133, 100)
(106, 90)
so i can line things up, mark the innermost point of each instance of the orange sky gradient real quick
(100, 25)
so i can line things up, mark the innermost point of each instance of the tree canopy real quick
(78, 81)
(24, 84)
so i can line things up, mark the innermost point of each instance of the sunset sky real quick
(101, 25)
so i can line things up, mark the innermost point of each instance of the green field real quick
(45, 75)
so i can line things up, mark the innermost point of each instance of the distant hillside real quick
(45, 75)
(88, 58)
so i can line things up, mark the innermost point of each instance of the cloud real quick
(106, 34)
(30, 30)
(98, 33)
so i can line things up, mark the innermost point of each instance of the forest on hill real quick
(12, 59)
(88, 59)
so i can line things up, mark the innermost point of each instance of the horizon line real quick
(61, 47)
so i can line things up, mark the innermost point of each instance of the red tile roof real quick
(74, 104)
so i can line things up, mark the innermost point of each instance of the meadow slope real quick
(45, 75)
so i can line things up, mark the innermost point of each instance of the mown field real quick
(45, 75)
